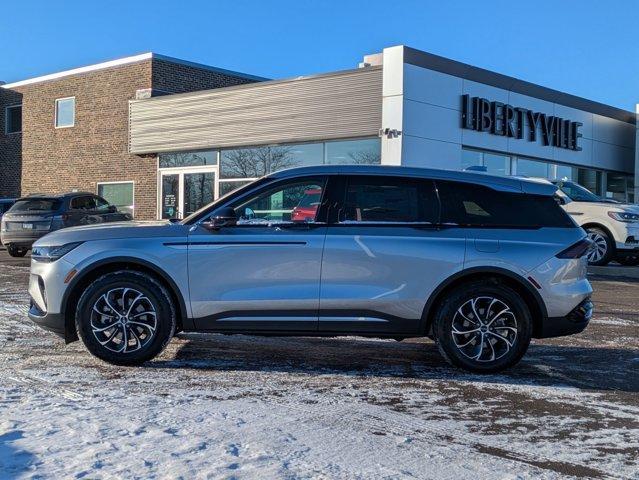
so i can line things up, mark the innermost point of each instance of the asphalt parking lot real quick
(217, 406)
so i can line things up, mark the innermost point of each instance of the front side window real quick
(65, 112)
(119, 194)
(83, 203)
(473, 205)
(394, 200)
(296, 201)
(13, 119)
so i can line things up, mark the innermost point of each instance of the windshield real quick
(577, 193)
(36, 205)
(211, 206)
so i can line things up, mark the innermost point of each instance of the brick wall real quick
(10, 149)
(171, 77)
(56, 160)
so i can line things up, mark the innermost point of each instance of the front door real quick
(263, 273)
(184, 192)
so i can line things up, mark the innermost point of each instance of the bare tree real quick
(256, 162)
(365, 157)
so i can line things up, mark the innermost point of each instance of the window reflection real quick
(188, 159)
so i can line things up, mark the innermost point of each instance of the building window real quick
(188, 159)
(531, 168)
(259, 161)
(228, 186)
(65, 112)
(13, 119)
(620, 187)
(120, 194)
(495, 164)
(353, 152)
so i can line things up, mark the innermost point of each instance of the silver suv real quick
(479, 263)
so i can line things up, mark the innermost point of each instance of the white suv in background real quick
(612, 226)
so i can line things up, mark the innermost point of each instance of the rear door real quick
(384, 254)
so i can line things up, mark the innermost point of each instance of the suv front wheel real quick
(125, 317)
(483, 327)
(602, 249)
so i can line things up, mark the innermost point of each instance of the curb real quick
(614, 271)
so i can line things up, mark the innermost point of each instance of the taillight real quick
(64, 217)
(576, 250)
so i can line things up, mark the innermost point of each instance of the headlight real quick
(624, 216)
(51, 254)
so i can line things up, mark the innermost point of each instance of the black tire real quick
(603, 241)
(628, 260)
(16, 251)
(126, 290)
(502, 354)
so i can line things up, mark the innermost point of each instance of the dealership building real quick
(162, 136)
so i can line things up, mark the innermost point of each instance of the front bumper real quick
(53, 322)
(576, 321)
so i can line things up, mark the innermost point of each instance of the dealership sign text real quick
(502, 119)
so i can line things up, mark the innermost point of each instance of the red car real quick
(307, 207)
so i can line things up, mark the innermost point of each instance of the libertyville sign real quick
(502, 119)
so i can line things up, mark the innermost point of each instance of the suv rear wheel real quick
(16, 251)
(125, 317)
(603, 248)
(483, 327)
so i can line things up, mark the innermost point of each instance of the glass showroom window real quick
(119, 194)
(188, 159)
(532, 168)
(353, 152)
(495, 164)
(65, 112)
(13, 119)
(619, 186)
(240, 165)
(591, 179)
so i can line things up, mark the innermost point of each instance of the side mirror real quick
(225, 217)
(560, 200)
(113, 209)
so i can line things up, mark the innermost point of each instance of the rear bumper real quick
(20, 239)
(53, 322)
(576, 321)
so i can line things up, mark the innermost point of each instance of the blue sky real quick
(588, 48)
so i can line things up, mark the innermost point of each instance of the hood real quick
(105, 231)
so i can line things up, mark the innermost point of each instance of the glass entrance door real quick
(198, 191)
(184, 192)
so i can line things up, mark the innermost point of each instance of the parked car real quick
(479, 263)
(612, 226)
(6, 204)
(37, 215)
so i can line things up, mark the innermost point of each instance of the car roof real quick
(506, 184)
(56, 195)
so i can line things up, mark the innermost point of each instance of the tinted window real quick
(383, 199)
(34, 205)
(476, 205)
(83, 203)
(284, 203)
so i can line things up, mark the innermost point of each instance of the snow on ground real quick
(246, 407)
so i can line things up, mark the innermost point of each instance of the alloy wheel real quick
(599, 247)
(484, 329)
(123, 320)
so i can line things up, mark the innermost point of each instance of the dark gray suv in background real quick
(36, 215)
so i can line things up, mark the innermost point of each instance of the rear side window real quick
(476, 205)
(36, 205)
(389, 199)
